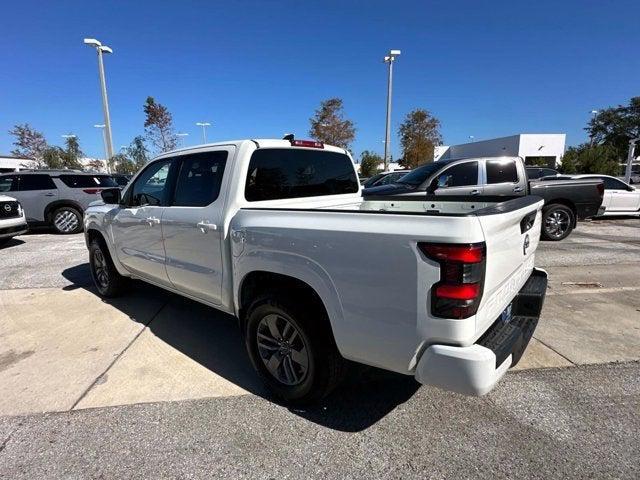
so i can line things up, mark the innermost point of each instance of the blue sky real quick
(259, 69)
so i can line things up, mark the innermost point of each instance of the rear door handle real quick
(517, 189)
(153, 221)
(206, 226)
(475, 192)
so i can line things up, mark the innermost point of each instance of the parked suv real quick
(55, 197)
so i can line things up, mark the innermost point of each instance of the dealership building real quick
(544, 149)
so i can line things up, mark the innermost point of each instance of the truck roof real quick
(260, 142)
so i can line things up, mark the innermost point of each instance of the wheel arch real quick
(53, 206)
(567, 203)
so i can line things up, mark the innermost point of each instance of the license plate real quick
(505, 316)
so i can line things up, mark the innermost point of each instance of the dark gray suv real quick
(55, 197)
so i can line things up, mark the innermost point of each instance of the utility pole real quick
(100, 49)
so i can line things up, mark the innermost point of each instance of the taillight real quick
(307, 143)
(92, 191)
(462, 268)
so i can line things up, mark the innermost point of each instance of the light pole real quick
(594, 113)
(204, 126)
(389, 59)
(182, 137)
(104, 142)
(630, 157)
(100, 49)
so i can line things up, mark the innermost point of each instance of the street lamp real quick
(630, 156)
(182, 135)
(68, 136)
(100, 49)
(204, 126)
(389, 59)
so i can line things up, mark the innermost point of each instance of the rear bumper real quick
(476, 369)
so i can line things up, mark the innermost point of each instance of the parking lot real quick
(156, 384)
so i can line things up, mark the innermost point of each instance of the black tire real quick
(4, 241)
(325, 366)
(66, 220)
(106, 278)
(558, 222)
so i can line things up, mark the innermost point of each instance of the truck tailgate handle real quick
(528, 221)
(205, 226)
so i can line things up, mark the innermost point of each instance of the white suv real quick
(12, 219)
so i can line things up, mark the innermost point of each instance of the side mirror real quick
(110, 196)
(433, 186)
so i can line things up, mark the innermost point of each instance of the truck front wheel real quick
(557, 222)
(106, 278)
(292, 349)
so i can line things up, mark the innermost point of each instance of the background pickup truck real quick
(277, 234)
(565, 202)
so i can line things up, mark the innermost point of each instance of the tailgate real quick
(512, 232)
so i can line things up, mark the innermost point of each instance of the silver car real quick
(55, 197)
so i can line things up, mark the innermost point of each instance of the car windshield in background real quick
(276, 173)
(420, 174)
(88, 181)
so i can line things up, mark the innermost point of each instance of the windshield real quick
(420, 174)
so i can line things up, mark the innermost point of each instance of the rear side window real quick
(200, 179)
(461, 175)
(502, 171)
(8, 183)
(36, 182)
(88, 181)
(291, 173)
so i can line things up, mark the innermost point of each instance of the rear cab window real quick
(502, 171)
(88, 181)
(280, 173)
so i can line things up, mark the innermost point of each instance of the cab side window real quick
(153, 186)
(461, 175)
(200, 179)
(36, 182)
(502, 171)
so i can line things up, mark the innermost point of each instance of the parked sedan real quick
(619, 197)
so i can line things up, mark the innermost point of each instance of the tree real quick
(369, 163)
(138, 153)
(121, 163)
(72, 153)
(586, 158)
(615, 126)
(53, 157)
(29, 143)
(95, 164)
(158, 126)
(328, 125)
(419, 135)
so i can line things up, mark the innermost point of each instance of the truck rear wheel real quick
(106, 278)
(292, 349)
(557, 222)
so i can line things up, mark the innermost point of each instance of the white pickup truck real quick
(276, 232)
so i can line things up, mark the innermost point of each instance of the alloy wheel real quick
(557, 223)
(282, 349)
(66, 221)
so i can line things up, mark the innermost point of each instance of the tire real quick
(67, 220)
(106, 278)
(4, 241)
(307, 341)
(557, 222)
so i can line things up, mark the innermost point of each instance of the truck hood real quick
(391, 189)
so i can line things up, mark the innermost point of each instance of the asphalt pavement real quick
(152, 386)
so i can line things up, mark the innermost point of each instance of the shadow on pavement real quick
(12, 242)
(213, 339)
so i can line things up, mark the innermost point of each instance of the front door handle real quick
(206, 226)
(475, 192)
(153, 221)
(517, 189)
